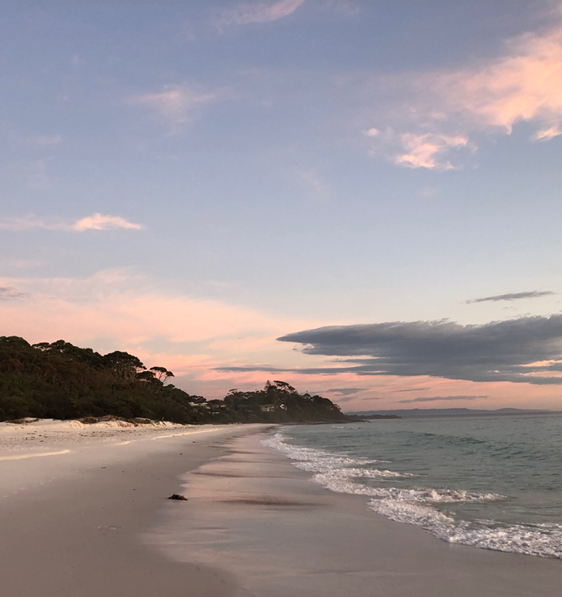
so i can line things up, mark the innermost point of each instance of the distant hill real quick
(409, 413)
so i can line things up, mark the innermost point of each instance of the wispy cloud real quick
(426, 151)
(340, 399)
(21, 263)
(514, 296)
(413, 389)
(547, 134)
(8, 293)
(435, 114)
(257, 12)
(46, 140)
(100, 222)
(315, 184)
(442, 398)
(431, 150)
(344, 391)
(96, 221)
(175, 104)
(38, 177)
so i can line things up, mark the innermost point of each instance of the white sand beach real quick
(86, 514)
(74, 500)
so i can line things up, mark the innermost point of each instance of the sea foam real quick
(417, 504)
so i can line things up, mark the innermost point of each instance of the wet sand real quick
(254, 515)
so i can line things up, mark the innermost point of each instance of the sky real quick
(361, 198)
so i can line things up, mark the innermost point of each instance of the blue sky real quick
(191, 180)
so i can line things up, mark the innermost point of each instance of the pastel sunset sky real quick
(362, 198)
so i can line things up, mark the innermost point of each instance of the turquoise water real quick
(492, 482)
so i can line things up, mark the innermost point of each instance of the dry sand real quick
(92, 520)
(72, 508)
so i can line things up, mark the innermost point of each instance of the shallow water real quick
(492, 482)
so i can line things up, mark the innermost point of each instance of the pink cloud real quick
(548, 133)
(523, 85)
(96, 221)
(440, 111)
(99, 222)
(116, 310)
(257, 12)
(426, 151)
(175, 103)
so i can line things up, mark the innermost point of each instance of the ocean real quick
(493, 482)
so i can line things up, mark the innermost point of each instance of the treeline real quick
(61, 381)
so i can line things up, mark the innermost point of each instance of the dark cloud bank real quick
(514, 296)
(497, 351)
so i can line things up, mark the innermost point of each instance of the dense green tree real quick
(62, 381)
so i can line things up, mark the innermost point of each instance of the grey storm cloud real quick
(341, 398)
(7, 293)
(514, 296)
(439, 398)
(497, 351)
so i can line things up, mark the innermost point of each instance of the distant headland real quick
(61, 381)
(409, 413)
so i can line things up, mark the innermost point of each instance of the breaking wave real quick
(417, 505)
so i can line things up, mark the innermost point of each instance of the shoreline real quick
(95, 521)
(255, 515)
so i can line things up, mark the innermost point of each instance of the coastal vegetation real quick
(61, 381)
